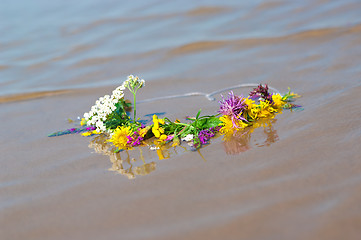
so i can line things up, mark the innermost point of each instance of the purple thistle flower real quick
(233, 106)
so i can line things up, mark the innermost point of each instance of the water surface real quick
(297, 179)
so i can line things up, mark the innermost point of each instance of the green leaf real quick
(199, 113)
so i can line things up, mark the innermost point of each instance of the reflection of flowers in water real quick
(271, 134)
(100, 145)
(240, 141)
(123, 163)
(237, 142)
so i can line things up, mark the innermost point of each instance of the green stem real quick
(135, 108)
(183, 124)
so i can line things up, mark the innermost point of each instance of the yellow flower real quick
(266, 110)
(163, 137)
(250, 103)
(263, 110)
(229, 127)
(144, 131)
(156, 129)
(227, 124)
(252, 109)
(119, 138)
(278, 100)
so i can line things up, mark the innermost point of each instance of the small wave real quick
(74, 30)
(199, 46)
(200, 11)
(93, 61)
(313, 34)
(32, 95)
(3, 67)
(207, 11)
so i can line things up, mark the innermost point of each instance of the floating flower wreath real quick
(110, 116)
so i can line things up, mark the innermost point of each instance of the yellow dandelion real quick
(120, 137)
(263, 110)
(250, 103)
(278, 101)
(253, 111)
(229, 126)
(266, 110)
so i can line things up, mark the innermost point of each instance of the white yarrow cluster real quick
(106, 105)
(132, 82)
(102, 108)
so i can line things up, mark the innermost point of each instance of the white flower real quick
(105, 105)
(133, 83)
(188, 138)
(90, 122)
(100, 126)
(121, 88)
(94, 108)
(118, 93)
(140, 82)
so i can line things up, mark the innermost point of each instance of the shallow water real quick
(298, 178)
